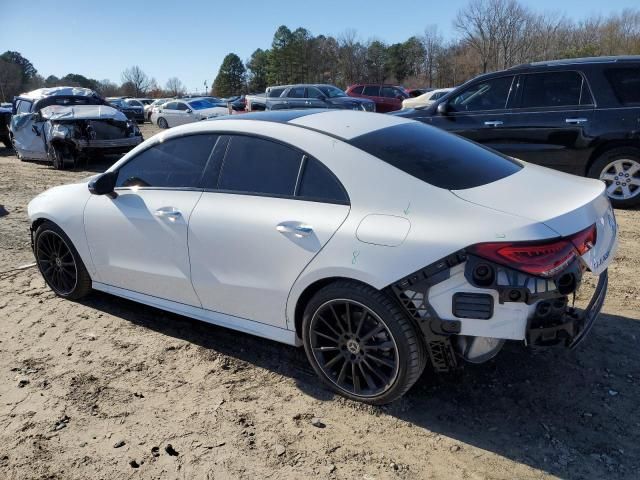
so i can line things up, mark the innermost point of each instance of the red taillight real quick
(543, 259)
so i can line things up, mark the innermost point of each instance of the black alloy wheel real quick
(361, 344)
(59, 262)
(56, 263)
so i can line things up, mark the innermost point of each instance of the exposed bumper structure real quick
(569, 326)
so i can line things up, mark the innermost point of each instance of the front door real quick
(253, 231)
(138, 240)
(28, 132)
(480, 112)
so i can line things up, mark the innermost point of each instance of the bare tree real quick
(351, 57)
(136, 80)
(432, 44)
(174, 87)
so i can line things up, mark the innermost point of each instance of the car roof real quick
(582, 61)
(341, 124)
(41, 93)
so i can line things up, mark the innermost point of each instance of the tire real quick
(59, 262)
(361, 344)
(619, 168)
(162, 123)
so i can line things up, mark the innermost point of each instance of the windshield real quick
(200, 104)
(332, 92)
(134, 103)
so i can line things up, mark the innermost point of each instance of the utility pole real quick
(206, 92)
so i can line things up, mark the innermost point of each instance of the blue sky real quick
(189, 39)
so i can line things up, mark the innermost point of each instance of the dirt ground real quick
(108, 389)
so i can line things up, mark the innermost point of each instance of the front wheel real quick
(361, 344)
(619, 169)
(162, 123)
(59, 262)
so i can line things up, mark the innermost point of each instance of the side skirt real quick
(228, 321)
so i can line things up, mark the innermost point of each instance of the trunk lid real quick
(565, 203)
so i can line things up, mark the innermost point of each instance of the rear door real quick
(372, 92)
(392, 98)
(183, 114)
(480, 111)
(28, 132)
(549, 124)
(262, 219)
(296, 98)
(169, 111)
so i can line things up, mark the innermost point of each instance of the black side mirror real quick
(443, 108)
(103, 184)
(189, 110)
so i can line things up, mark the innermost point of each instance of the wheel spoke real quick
(388, 345)
(371, 385)
(626, 192)
(337, 317)
(372, 333)
(326, 349)
(333, 330)
(611, 189)
(633, 169)
(355, 379)
(333, 361)
(348, 317)
(361, 322)
(374, 371)
(381, 361)
(343, 372)
(323, 335)
(608, 176)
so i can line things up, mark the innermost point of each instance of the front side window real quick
(488, 95)
(170, 106)
(23, 106)
(435, 156)
(330, 91)
(551, 89)
(174, 163)
(275, 92)
(625, 83)
(182, 106)
(371, 91)
(313, 92)
(256, 165)
(358, 90)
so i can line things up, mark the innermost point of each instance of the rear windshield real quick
(436, 157)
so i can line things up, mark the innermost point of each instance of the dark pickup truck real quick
(314, 96)
(581, 116)
(5, 119)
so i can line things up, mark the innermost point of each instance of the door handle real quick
(170, 213)
(575, 121)
(300, 230)
(494, 123)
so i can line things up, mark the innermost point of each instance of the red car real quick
(388, 98)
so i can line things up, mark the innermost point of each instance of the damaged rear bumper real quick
(571, 325)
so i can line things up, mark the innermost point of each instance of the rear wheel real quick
(361, 344)
(162, 123)
(61, 157)
(59, 262)
(619, 169)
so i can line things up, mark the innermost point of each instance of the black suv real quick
(5, 119)
(580, 115)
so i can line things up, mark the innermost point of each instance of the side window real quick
(389, 92)
(552, 89)
(313, 92)
(170, 106)
(275, 92)
(626, 84)
(318, 183)
(255, 165)
(23, 106)
(358, 90)
(371, 91)
(175, 163)
(488, 95)
(296, 92)
(182, 106)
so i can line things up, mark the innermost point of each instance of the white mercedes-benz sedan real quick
(379, 243)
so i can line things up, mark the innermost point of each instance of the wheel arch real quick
(606, 146)
(310, 290)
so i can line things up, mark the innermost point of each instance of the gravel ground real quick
(105, 388)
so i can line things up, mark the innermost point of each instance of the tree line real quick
(489, 35)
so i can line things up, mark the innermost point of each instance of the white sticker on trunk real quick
(601, 255)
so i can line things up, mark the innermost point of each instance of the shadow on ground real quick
(570, 414)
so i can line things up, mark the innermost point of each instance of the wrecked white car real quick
(65, 125)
